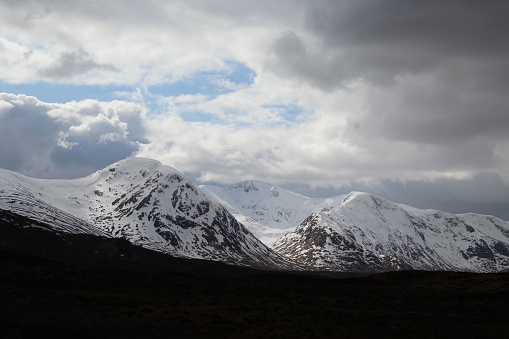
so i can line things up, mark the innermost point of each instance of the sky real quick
(406, 100)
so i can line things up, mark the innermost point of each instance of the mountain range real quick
(362, 232)
(251, 223)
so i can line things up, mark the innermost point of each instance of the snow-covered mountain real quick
(362, 232)
(154, 206)
(268, 211)
(366, 233)
(147, 203)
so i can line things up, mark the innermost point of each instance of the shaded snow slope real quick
(149, 204)
(366, 233)
(266, 210)
(29, 197)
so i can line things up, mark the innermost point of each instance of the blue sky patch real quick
(210, 83)
(59, 93)
(198, 117)
(240, 74)
(289, 113)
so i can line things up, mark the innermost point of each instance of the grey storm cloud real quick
(384, 38)
(66, 140)
(379, 40)
(70, 64)
(25, 130)
(437, 72)
(292, 59)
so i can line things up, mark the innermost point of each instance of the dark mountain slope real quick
(19, 234)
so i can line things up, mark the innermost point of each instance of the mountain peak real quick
(366, 199)
(134, 163)
(129, 171)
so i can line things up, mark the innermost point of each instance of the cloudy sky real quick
(407, 100)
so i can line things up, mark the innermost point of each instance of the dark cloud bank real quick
(439, 69)
(71, 64)
(66, 141)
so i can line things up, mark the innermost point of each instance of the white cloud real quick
(150, 43)
(5, 106)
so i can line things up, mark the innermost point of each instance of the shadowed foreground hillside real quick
(42, 298)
